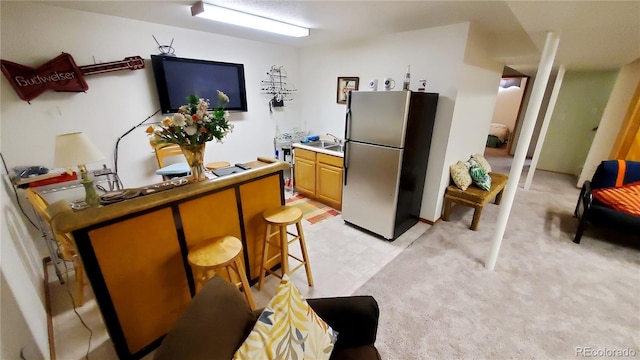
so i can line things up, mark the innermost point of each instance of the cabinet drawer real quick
(330, 160)
(305, 154)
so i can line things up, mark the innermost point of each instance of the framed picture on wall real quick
(346, 84)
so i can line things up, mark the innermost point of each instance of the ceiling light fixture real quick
(217, 13)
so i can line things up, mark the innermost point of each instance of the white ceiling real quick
(593, 34)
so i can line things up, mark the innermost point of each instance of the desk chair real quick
(67, 247)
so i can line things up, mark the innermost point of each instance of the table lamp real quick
(75, 149)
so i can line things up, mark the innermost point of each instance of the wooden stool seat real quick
(282, 215)
(217, 165)
(216, 254)
(474, 197)
(279, 217)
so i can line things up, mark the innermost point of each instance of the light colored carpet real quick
(547, 296)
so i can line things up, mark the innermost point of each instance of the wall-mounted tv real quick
(176, 78)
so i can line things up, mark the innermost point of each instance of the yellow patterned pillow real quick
(460, 175)
(288, 329)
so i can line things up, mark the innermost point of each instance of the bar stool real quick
(214, 255)
(280, 217)
(217, 165)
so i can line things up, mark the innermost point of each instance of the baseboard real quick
(429, 221)
(47, 300)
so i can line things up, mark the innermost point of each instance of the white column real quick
(545, 127)
(539, 86)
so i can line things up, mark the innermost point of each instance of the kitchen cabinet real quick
(319, 176)
(305, 172)
(329, 180)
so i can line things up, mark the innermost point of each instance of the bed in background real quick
(498, 135)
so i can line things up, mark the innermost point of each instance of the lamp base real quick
(91, 198)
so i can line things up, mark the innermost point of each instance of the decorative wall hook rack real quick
(276, 86)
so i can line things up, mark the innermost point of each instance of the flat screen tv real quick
(176, 78)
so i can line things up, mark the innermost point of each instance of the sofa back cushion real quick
(213, 327)
(615, 173)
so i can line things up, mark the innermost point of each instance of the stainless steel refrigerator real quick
(387, 141)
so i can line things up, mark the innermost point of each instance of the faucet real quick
(335, 138)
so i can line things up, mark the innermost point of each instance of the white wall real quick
(612, 118)
(474, 105)
(508, 104)
(34, 33)
(434, 54)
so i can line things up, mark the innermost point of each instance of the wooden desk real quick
(135, 252)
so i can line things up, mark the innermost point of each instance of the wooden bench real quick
(474, 197)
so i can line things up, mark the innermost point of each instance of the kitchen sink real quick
(327, 145)
(323, 144)
(338, 147)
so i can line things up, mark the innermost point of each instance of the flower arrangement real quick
(193, 124)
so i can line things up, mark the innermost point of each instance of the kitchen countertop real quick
(70, 221)
(317, 149)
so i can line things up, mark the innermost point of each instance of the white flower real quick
(179, 120)
(203, 105)
(191, 130)
(222, 96)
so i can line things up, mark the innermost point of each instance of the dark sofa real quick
(219, 320)
(610, 173)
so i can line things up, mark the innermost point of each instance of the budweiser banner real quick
(59, 74)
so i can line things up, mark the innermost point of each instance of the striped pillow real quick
(625, 198)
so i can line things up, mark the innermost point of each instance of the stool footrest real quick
(273, 273)
(297, 267)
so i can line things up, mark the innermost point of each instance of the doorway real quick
(505, 119)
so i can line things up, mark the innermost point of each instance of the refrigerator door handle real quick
(347, 128)
(346, 162)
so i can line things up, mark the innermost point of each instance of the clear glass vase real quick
(195, 159)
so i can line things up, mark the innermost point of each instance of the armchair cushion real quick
(213, 326)
(355, 318)
(357, 353)
(625, 198)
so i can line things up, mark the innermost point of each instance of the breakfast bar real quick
(135, 251)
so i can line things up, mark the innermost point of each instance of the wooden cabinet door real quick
(305, 177)
(329, 185)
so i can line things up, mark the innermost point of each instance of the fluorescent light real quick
(217, 13)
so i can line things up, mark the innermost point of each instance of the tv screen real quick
(176, 78)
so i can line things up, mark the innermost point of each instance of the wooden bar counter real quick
(135, 251)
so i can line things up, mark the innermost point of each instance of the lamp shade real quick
(75, 149)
